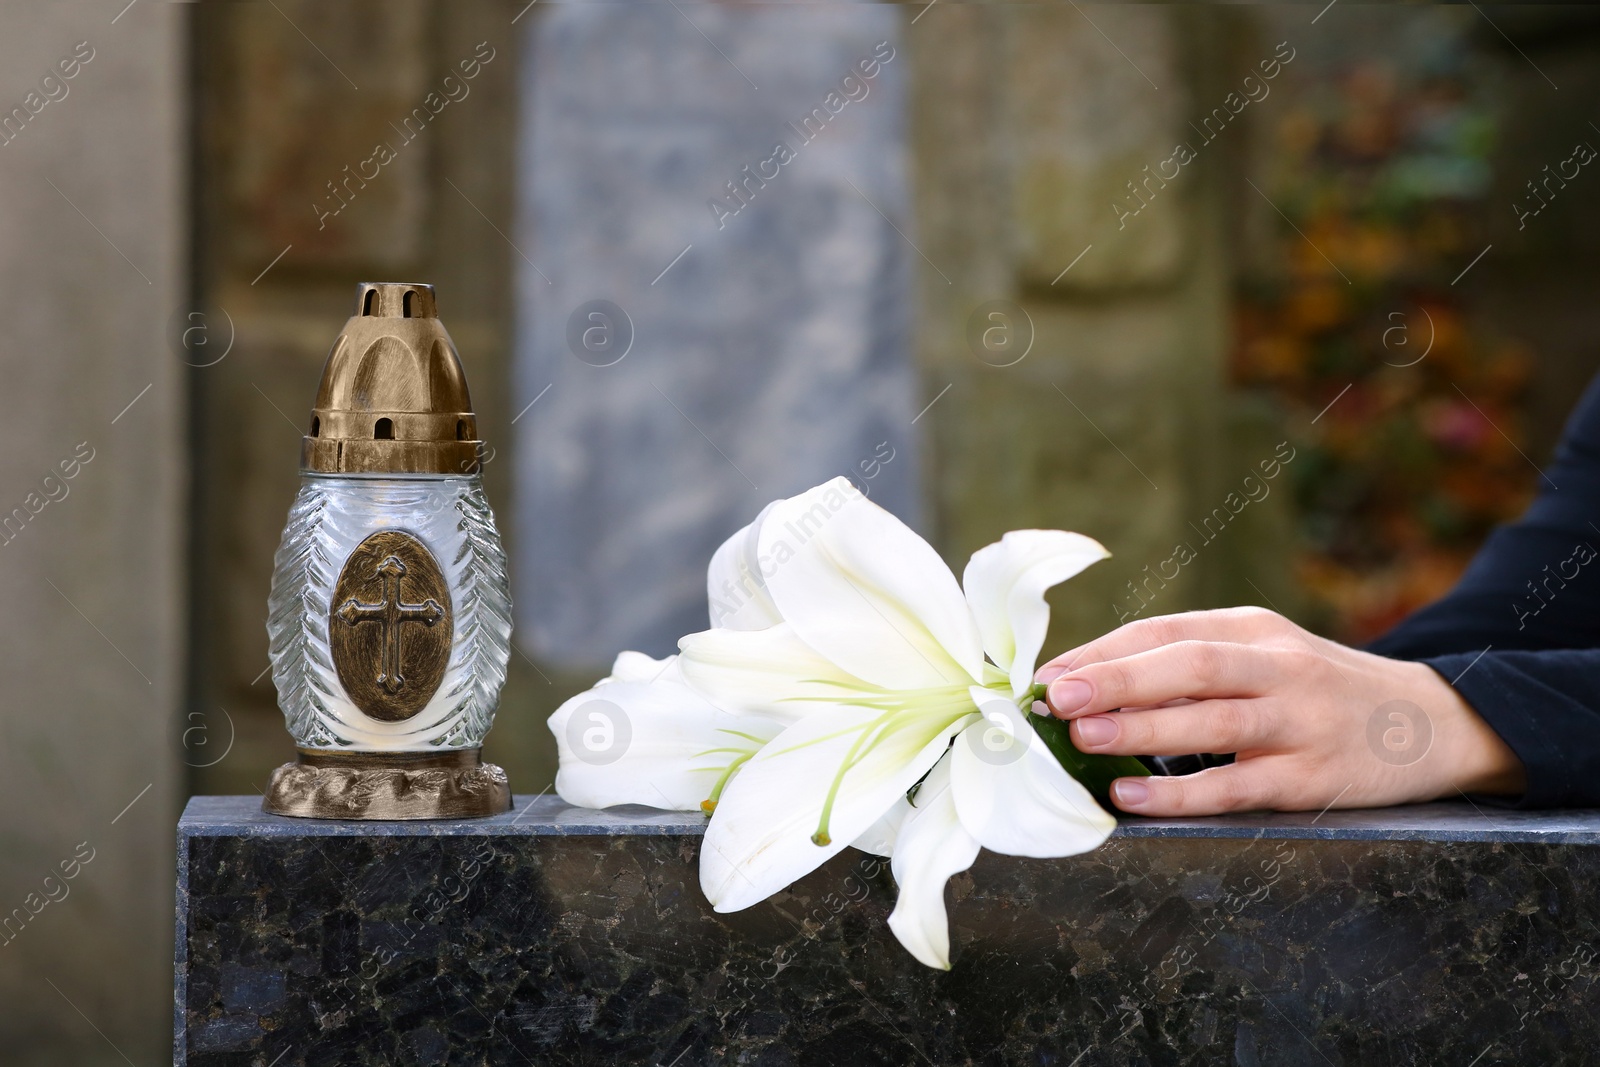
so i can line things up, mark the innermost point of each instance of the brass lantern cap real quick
(393, 398)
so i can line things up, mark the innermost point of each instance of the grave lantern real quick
(390, 618)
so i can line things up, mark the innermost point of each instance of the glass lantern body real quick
(331, 516)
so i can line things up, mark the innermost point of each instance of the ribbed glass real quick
(331, 516)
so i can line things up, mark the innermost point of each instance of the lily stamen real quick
(901, 715)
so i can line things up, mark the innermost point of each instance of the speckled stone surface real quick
(552, 935)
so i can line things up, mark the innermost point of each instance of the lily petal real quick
(1005, 584)
(861, 588)
(1013, 795)
(932, 846)
(638, 667)
(735, 589)
(762, 835)
(879, 838)
(765, 672)
(659, 744)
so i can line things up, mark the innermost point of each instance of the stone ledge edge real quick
(546, 816)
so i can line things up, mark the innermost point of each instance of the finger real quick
(1181, 702)
(1194, 669)
(1253, 785)
(1041, 708)
(1239, 625)
(1207, 726)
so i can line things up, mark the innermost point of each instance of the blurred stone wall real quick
(92, 472)
(1077, 348)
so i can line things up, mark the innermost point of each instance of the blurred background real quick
(1265, 298)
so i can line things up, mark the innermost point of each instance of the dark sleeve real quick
(1519, 636)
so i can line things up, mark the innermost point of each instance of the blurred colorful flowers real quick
(1353, 327)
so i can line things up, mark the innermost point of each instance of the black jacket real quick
(1519, 636)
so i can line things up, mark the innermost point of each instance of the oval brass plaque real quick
(390, 626)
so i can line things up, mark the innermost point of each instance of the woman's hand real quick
(1314, 724)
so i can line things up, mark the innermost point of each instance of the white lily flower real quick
(641, 736)
(875, 635)
(846, 669)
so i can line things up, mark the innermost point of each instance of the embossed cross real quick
(391, 613)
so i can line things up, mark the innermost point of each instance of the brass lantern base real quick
(387, 785)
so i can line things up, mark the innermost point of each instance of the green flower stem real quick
(1095, 772)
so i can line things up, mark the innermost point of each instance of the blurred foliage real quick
(1384, 174)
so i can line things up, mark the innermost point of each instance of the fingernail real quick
(1129, 792)
(1097, 730)
(1039, 707)
(1048, 673)
(1068, 695)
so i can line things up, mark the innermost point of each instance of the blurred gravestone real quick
(93, 475)
(707, 321)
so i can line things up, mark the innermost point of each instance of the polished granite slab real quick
(1445, 933)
